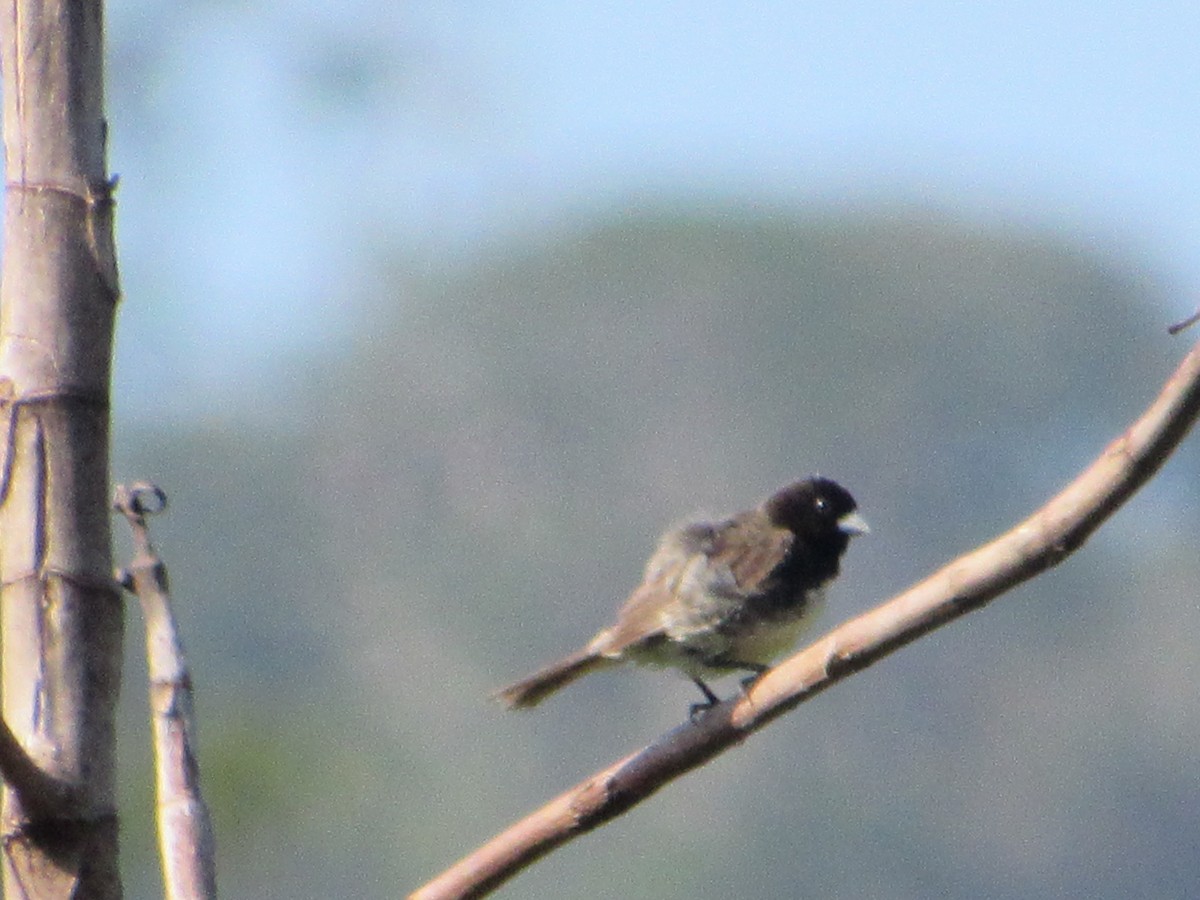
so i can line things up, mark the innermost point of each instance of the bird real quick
(720, 596)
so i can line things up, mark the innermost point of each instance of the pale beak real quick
(853, 524)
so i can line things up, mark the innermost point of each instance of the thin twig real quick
(1041, 541)
(185, 830)
(1186, 323)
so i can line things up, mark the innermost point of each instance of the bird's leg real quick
(757, 668)
(748, 681)
(698, 709)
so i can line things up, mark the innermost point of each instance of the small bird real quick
(720, 596)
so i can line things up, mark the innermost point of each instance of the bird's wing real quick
(750, 550)
(698, 571)
(641, 618)
(639, 621)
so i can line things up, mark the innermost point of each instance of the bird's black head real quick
(816, 509)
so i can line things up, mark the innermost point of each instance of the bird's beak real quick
(853, 524)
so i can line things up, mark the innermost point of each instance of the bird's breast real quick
(763, 639)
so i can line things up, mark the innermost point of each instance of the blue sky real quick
(256, 191)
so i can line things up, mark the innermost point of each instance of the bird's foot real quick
(698, 711)
(749, 680)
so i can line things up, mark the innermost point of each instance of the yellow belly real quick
(767, 642)
(692, 649)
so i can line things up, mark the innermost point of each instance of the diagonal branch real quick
(185, 832)
(1041, 541)
(1186, 323)
(40, 793)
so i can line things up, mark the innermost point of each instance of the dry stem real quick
(185, 832)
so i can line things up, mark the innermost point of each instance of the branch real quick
(1041, 541)
(1186, 323)
(41, 794)
(185, 832)
(61, 617)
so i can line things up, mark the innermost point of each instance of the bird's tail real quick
(541, 684)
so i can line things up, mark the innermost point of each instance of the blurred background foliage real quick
(473, 486)
(426, 352)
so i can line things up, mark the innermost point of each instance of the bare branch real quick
(1186, 323)
(41, 794)
(185, 830)
(1041, 541)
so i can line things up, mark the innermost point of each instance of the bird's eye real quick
(820, 504)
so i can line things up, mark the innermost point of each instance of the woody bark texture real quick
(60, 609)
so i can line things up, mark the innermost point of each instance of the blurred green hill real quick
(472, 487)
